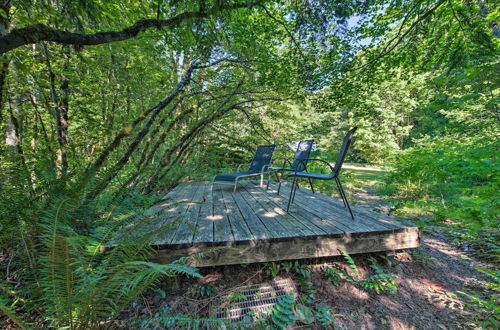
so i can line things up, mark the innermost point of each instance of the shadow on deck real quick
(254, 223)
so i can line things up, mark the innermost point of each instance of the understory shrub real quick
(458, 178)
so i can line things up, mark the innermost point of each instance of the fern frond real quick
(351, 263)
(12, 315)
(170, 270)
(183, 322)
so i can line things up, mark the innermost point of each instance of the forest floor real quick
(429, 280)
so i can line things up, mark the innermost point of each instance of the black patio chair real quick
(297, 164)
(334, 175)
(258, 166)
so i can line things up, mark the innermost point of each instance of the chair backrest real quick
(262, 157)
(343, 151)
(303, 151)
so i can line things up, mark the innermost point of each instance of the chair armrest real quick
(285, 161)
(239, 166)
(303, 161)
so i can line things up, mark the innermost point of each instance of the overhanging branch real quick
(35, 33)
(394, 42)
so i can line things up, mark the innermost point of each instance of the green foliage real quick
(8, 309)
(422, 87)
(287, 312)
(207, 290)
(307, 290)
(236, 296)
(273, 268)
(282, 314)
(485, 303)
(378, 282)
(332, 274)
(324, 317)
(73, 283)
(351, 264)
(163, 320)
(300, 269)
(456, 181)
(287, 266)
(303, 314)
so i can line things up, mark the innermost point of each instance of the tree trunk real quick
(61, 116)
(139, 137)
(4, 60)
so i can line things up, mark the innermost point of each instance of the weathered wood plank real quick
(321, 211)
(205, 226)
(340, 218)
(307, 217)
(255, 222)
(298, 248)
(187, 225)
(172, 215)
(290, 220)
(258, 229)
(170, 197)
(379, 217)
(240, 229)
(222, 227)
(268, 217)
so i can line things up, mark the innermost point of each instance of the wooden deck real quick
(254, 222)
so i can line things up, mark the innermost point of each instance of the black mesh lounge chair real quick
(258, 166)
(298, 164)
(334, 175)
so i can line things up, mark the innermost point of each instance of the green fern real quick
(380, 281)
(282, 314)
(351, 264)
(82, 286)
(334, 275)
(485, 304)
(273, 268)
(181, 322)
(324, 317)
(308, 292)
(11, 314)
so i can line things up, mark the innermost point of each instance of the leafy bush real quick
(458, 177)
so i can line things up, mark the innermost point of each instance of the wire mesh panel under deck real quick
(252, 300)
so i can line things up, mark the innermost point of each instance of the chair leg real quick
(276, 174)
(340, 192)
(212, 187)
(311, 184)
(235, 184)
(296, 188)
(345, 197)
(279, 184)
(291, 194)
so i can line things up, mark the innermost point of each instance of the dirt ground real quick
(427, 281)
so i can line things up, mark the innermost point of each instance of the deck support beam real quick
(294, 248)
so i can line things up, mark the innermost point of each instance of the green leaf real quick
(303, 314)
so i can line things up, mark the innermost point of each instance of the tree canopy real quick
(105, 105)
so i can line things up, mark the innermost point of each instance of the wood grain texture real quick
(295, 248)
(254, 223)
